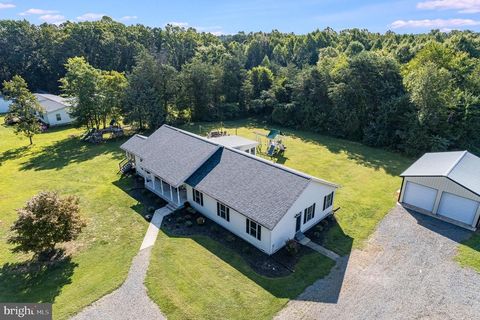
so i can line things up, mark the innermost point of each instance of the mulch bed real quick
(183, 223)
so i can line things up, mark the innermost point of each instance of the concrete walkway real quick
(130, 301)
(314, 246)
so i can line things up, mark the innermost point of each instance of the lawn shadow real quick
(13, 154)
(35, 282)
(393, 163)
(71, 150)
(310, 267)
(134, 186)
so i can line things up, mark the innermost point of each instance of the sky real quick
(231, 16)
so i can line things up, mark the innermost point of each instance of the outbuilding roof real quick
(234, 141)
(259, 189)
(51, 102)
(461, 167)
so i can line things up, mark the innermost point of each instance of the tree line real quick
(408, 93)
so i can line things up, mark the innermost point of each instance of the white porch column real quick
(178, 196)
(153, 181)
(171, 192)
(161, 185)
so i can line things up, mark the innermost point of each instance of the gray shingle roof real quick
(134, 144)
(172, 154)
(253, 187)
(460, 166)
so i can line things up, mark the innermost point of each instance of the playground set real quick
(275, 144)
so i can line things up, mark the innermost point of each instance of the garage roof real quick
(461, 167)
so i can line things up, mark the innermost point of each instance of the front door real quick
(298, 222)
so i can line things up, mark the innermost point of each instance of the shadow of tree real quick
(31, 281)
(13, 154)
(68, 151)
(393, 163)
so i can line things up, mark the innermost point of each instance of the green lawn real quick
(199, 278)
(101, 257)
(469, 253)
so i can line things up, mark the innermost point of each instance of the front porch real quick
(176, 196)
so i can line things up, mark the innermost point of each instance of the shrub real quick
(324, 222)
(151, 209)
(292, 247)
(230, 238)
(214, 229)
(191, 210)
(319, 228)
(145, 192)
(317, 234)
(200, 220)
(188, 223)
(187, 205)
(46, 219)
(188, 217)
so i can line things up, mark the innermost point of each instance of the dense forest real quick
(408, 93)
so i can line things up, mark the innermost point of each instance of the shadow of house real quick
(68, 151)
(310, 267)
(448, 230)
(34, 282)
(135, 188)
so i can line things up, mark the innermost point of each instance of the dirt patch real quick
(183, 223)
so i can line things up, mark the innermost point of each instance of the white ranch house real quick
(261, 202)
(54, 109)
(445, 185)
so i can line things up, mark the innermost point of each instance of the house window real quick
(223, 211)
(328, 201)
(253, 229)
(59, 117)
(309, 213)
(198, 197)
(252, 151)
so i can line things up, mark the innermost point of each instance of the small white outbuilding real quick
(445, 185)
(237, 142)
(55, 109)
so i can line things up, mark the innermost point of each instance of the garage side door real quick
(420, 196)
(458, 208)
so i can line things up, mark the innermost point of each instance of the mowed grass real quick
(101, 257)
(198, 278)
(468, 254)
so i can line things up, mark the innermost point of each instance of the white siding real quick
(51, 117)
(236, 224)
(139, 167)
(248, 148)
(285, 229)
(442, 184)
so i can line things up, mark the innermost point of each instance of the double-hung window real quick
(309, 213)
(254, 229)
(198, 197)
(58, 116)
(328, 201)
(223, 211)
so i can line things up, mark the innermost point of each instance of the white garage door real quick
(420, 196)
(457, 208)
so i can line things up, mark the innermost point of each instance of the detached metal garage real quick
(445, 185)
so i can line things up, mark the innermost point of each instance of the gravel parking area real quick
(406, 271)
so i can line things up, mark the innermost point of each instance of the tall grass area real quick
(101, 257)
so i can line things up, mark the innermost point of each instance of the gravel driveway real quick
(406, 271)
